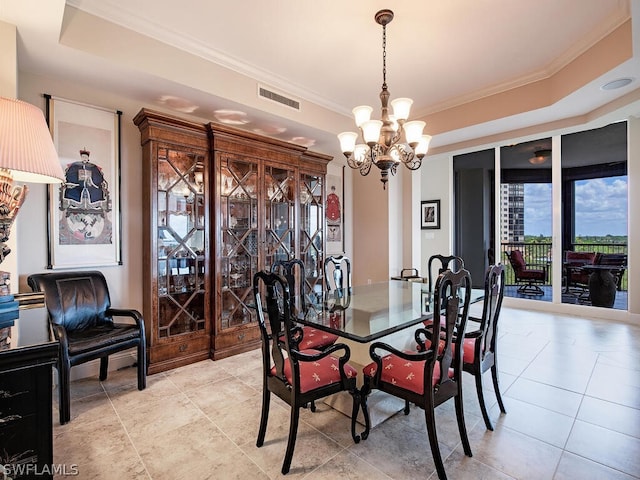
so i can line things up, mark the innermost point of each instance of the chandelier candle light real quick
(388, 141)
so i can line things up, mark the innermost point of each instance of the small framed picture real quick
(430, 214)
(426, 303)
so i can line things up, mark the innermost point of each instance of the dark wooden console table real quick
(27, 355)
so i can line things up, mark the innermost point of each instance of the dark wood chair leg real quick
(483, 406)
(430, 420)
(354, 415)
(291, 444)
(407, 407)
(496, 387)
(104, 367)
(264, 417)
(462, 427)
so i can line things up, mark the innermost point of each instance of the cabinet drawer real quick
(179, 348)
(237, 336)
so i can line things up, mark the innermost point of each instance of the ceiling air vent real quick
(276, 97)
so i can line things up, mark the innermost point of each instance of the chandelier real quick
(391, 140)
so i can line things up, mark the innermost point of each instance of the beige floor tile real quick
(615, 450)
(610, 415)
(534, 421)
(573, 467)
(197, 374)
(312, 450)
(514, 453)
(197, 450)
(618, 385)
(99, 449)
(347, 465)
(545, 396)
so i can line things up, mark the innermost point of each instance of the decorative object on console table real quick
(430, 214)
(84, 212)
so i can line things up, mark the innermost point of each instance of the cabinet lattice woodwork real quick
(219, 205)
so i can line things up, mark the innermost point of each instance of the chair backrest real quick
(614, 259)
(293, 272)
(579, 258)
(75, 300)
(454, 310)
(337, 273)
(517, 260)
(493, 295)
(442, 263)
(272, 331)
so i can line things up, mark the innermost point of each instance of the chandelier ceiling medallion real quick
(388, 141)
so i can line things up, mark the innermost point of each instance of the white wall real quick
(437, 184)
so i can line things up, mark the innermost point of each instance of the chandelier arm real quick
(366, 167)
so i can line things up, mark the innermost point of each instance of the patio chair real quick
(528, 277)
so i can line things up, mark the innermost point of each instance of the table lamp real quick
(27, 154)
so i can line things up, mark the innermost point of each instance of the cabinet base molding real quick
(236, 349)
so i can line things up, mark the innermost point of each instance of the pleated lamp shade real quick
(26, 147)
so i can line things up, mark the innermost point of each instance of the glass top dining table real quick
(373, 311)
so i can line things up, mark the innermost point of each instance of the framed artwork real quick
(84, 219)
(425, 302)
(334, 213)
(430, 214)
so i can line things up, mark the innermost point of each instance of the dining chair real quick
(297, 376)
(337, 274)
(293, 271)
(480, 345)
(82, 320)
(442, 263)
(427, 378)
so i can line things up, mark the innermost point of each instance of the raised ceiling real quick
(473, 68)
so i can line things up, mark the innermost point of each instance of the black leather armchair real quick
(81, 318)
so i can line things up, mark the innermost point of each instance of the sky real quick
(601, 207)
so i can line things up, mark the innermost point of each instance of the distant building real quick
(512, 212)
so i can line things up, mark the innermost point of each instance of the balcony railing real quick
(540, 254)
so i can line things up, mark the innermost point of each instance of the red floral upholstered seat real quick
(319, 373)
(407, 374)
(427, 378)
(296, 376)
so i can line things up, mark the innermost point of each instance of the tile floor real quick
(571, 387)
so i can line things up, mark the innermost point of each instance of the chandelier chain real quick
(384, 56)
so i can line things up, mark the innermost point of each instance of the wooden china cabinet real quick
(219, 205)
(269, 207)
(176, 280)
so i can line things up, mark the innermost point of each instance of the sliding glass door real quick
(592, 267)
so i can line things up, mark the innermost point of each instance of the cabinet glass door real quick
(279, 207)
(311, 231)
(180, 240)
(239, 249)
